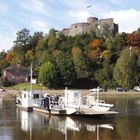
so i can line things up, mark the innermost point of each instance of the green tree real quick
(104, 75)
(40, 50)
(35, 39)
(23, 39)
(52, 40)
(3, 62)
(80, 63)
(120, 41)
(21, 46)
(109, 43)
(48, 74)
(125, 70)
(66, 68)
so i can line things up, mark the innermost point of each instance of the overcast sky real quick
(42, 15)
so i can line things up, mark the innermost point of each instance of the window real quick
(24, 95)
(36, 96)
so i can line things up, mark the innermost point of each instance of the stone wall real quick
(92, 24)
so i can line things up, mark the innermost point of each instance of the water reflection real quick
(30, 120)
(62, 125)
(16, 124)
(0, 103)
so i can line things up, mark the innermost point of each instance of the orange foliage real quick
(96, 43)
(75, 51)
(9, 57)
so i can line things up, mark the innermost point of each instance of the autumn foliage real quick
(75, 51)
(29, 54)
(136, 51)
(9, 57)
(105, 54)
(132, 40)
(89, 56)
(96, 43)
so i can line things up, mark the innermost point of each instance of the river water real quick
(16, 124)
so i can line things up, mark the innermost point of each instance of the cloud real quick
(128, 20)
(76, 11)
(79, 15)
(34, 6)
(39, 25)
(6, 41)
(3, 7)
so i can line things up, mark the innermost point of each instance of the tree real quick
(109, 43)
(21, 46)
(132, 40)
(10, 57)
(104, 75)
(3, 62)
(96, 44)
(35, 39)
(51, 39)
(23, 39)
(120, 42)
(29, 56)
(80, 62)
(46, 56)
(40, 50)
(66, 68)
(48, 74)
(125, 70)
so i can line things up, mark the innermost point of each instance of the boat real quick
(99, 105)
(72, 103)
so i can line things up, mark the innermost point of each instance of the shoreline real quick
(103, 95)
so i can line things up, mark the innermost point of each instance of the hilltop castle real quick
(92, 24)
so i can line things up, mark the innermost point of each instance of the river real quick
(16, 124)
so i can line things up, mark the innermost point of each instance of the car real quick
(121, 89)
(99, 89)
(137, 88)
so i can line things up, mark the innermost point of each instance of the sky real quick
(42, 15)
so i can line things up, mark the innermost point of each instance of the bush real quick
(6, 83)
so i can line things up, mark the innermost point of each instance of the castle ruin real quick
(92, 24)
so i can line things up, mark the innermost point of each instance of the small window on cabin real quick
(36, 96)
(75, 26)
(76, 95)
(24, 95)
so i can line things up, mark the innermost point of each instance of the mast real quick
(31, 75)
(97, 93)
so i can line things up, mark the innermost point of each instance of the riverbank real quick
(103, 95)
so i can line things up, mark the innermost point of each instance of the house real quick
(17, 73)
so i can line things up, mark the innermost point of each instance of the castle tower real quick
(92, 20)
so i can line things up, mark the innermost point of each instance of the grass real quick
(22, 86)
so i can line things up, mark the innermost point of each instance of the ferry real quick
(72, 103)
